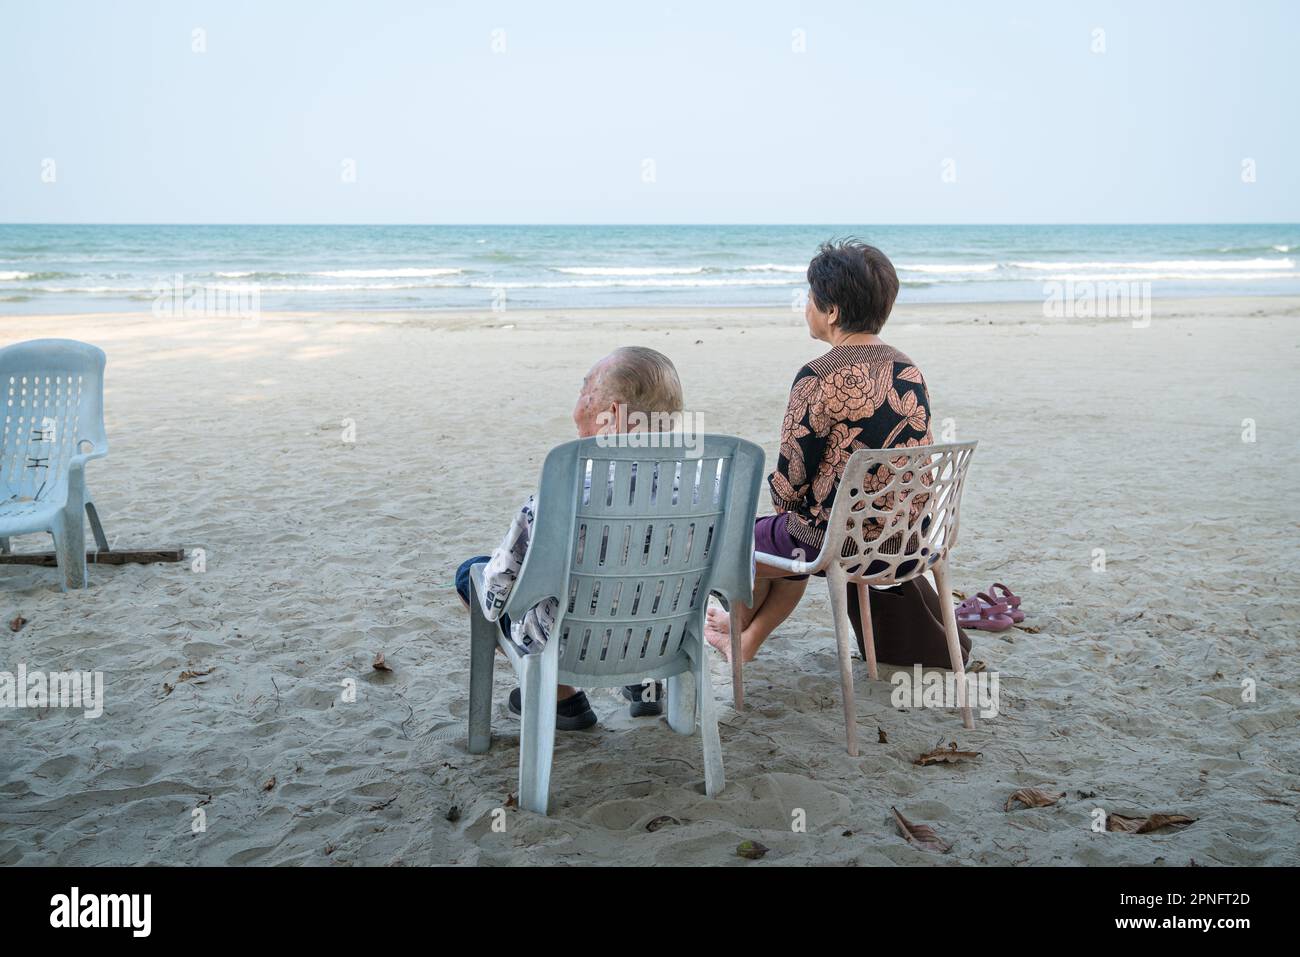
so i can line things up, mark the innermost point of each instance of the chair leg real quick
(537, 734)
(737, 664)
(482, 653)
(96, 528)
(837, 581)
(70, 548)
(944, 589)
(714, 777)
(681, 702)
(868, 636)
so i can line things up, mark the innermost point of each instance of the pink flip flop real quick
(1002, 607)
(972, 613)
(1012, 599)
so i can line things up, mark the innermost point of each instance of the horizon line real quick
(628, 224)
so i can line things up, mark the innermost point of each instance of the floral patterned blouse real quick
(853, 397)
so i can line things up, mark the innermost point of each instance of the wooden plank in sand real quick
(125, 556)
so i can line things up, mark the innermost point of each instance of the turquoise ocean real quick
(69, 268)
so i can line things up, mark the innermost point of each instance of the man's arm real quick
(503, 567)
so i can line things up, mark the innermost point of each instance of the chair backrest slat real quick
(627, 538)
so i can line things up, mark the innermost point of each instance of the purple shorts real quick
(771, 535)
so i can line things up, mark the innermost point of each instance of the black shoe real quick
(640, 707)
(571, 714)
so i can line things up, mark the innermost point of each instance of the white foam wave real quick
(410, 272)
(632, 284)
(624, 282)
(271, 288)
(92, 289)
(948, 269)
(1196, 266)
(12, 274)
(773, 267)
(629, 270)
(1166, 276)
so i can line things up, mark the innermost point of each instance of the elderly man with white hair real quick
(632, 383)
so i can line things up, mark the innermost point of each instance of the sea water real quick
(70, 268)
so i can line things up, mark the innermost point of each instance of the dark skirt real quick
(907, 625)
(906, 619)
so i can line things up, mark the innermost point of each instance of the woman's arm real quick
(801, 448)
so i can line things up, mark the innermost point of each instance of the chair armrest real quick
(77, 473)
(476, 589)
(512, 650)
(793, 566)
(78, 461)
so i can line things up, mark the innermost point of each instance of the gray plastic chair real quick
(895, 517)
(631, 558)
(53, 426)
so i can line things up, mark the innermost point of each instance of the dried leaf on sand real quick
(922, 835)
(1148, 824)
(1033, 797)
(949, 755)
(379, 664)
(751, 850)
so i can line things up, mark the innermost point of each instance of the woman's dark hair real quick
(859, 279)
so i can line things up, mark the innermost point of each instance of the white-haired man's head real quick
(629, 380)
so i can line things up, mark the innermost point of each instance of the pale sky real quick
(558, 126)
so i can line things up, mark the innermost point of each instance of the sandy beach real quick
(334, 471)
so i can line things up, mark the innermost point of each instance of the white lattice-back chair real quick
(895, 517)
(53, 391)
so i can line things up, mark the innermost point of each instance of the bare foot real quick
(717, 631)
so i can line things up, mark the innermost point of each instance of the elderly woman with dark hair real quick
(861, 394)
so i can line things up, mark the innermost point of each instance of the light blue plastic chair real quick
(630, 541)
(53, 425)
